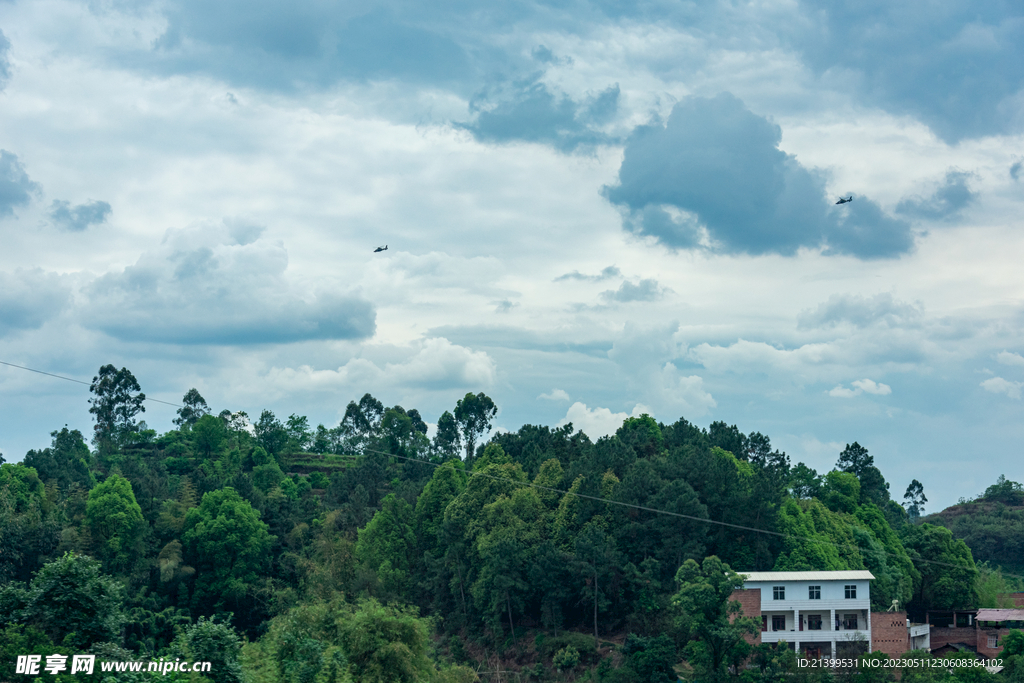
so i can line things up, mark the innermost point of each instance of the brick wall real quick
(750, 601)
(983, 634)
(944, 635)
(1018, 599)
(889, 633)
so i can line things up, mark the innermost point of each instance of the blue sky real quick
(593, 209)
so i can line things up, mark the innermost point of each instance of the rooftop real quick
(1000, 615)
(807, 576)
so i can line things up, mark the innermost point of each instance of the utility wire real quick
(780, 534)
(78, 381)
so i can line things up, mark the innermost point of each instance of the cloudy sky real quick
(593, 209)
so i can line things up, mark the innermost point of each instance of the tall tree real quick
(473, 414)
(193, 407)
(66, 461)
(270, 433)
(915, 499)
(229, 547)
(710, 619)
(115, 522)
(117, 399)
(446, 440)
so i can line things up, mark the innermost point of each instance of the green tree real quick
(473, 414)
(29, 523)
(208, 434)
(948, 572)
(74, 603)
(709, 619)
(229, 547)
(914, 499)
(446, 440)
(210, 640)
(117, 399)
(387, 644)
(270, 433)
(116, 523)
(387, 545)
(804, 482)
(66, 461)
(193, 407)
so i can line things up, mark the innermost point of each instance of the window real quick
(779, 592)
(814, 592)
(813, 622)
(851, 592)
(850, 622)
(778, 622)
(993, 641)
(764, 622)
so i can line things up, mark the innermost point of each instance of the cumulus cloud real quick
(555, 395)
(861, 386)
(1009, 358)
(605, 274)
(947, 202)
(1015, 170)
(644, 290)
(203, 287)
(78, 218)
(28, 298)
(998, 385)
(684, 393)
(952, 69)
(861, 311)
(437, 364)
(283, 45)
(530, 112)
(714, 176)
(16, 188)
(598, 422)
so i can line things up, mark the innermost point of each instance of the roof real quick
(1000, 615)
(807, 576)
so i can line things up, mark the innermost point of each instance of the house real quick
(817, 613)
(980, 631)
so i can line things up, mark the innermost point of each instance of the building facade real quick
(818, 613)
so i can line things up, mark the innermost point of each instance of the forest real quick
(367, 551)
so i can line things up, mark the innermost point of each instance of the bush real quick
(566, 658)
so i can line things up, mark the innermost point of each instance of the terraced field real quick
(306, 463)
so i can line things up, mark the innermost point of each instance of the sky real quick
(592, 209)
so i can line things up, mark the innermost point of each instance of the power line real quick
(795, 537)
(78, 381)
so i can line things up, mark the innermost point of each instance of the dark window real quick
(813, 622)
(814, 592)
(779, 592)
(851, 592)
(850, 622)
(963, 620)
(764, 622)
(778, 622)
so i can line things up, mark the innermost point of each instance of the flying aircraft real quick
(844, 200)
(378, 249)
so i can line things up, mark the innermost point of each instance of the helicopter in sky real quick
(845, 200)
(380, 249)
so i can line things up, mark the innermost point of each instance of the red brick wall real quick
(750, 601)
(889, 633)
(983, 633)
(1018, 599)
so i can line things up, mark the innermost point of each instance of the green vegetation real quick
(370, 552)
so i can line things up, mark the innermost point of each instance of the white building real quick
(818, 613)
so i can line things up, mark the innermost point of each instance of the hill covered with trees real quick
(367, 551)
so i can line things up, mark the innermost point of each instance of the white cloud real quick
(685, 394)
(598, 422)
(1009, 358)
(860, 386)
(870, 387)
(555, 395)
(436, 365)
(998, 385)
